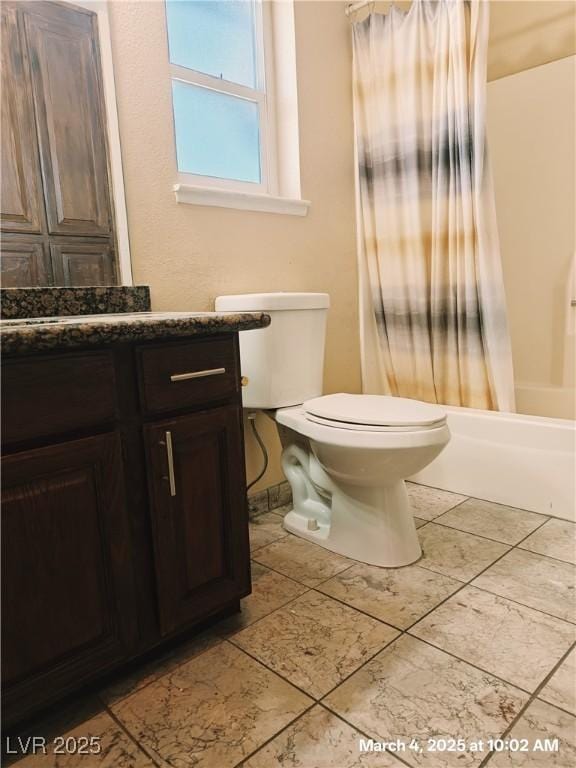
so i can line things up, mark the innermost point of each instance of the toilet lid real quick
(375, 410)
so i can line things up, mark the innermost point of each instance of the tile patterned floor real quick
(265, 529)
(398, 596)
(299, 745)
(315, 642)
(429, 503)
(118, 749)
(556, 538)
(142, 674)
(302, 561)
(456, 553)
(495, 521)
(487, 631)
(270, 590)
(412, 689)
(475, 641)
(541, 721)
(561, 688)
(533, 580)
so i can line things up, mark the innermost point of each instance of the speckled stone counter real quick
(52, 302)
(33, 336)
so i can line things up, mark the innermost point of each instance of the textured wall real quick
(190, 254)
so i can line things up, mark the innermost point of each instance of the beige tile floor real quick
(474, 642)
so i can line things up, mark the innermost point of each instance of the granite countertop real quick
(88, 300)
(29, 336)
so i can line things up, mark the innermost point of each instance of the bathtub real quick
(558, 402)
(509, 458)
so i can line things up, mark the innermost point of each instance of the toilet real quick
(345, 456)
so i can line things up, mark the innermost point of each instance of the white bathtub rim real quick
(568, 424)
(517, 460)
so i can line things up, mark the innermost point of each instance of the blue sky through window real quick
(216, 134)
(215, 37)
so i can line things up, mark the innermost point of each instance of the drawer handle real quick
(197, 374)
(170, 457)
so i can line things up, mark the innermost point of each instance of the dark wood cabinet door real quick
(200, 531)
(80, 263)
(67, 600)
(62, 45)
(21, 190)
(24, 262)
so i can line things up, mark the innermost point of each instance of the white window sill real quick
(244, 201)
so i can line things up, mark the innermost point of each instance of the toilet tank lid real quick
(251, 302)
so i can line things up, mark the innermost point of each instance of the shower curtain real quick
(432, 303)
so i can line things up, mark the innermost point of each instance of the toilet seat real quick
(333, 424)
(340, 435)
(373, 413)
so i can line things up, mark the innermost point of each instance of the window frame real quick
(262, 95)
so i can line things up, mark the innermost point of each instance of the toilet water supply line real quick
(252, 420)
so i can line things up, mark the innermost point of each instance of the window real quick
(225, 123)
(222, 117)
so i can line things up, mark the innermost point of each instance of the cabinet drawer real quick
(55, 395)
(175, 376)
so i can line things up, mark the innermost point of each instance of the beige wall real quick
(190, 254)
(531, 129)
(528, 33)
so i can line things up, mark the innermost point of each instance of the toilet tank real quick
(283, 363)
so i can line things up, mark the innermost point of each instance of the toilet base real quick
(372, 525)
(348, 486)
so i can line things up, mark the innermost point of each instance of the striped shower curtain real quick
(432, 303)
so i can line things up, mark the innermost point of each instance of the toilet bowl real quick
(345, 456)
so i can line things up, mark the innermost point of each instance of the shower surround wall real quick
(531, 129)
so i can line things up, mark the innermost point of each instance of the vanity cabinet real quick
(67, 589)
(195, 471)
(124, 515)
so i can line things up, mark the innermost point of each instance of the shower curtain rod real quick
(357, 6)
(353, 7)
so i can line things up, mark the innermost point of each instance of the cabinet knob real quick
(244, 381)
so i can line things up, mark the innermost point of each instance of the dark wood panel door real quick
(67, 599)
(21, 186)
(24, 262)
(80, 263)
(63, 48)
(200, 532)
